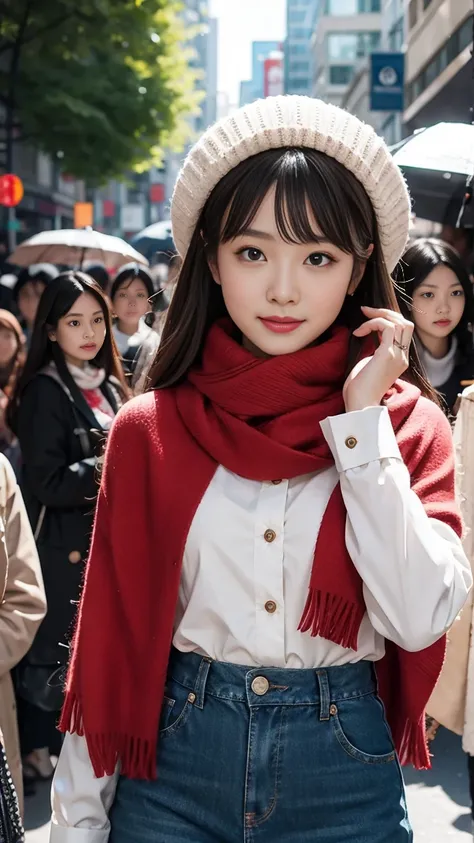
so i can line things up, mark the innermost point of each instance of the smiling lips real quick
(281, 324)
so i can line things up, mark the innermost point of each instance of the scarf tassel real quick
(333, 618)
(412, 746)
(137, 756)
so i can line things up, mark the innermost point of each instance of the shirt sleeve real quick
(80, 802)
(415, 574)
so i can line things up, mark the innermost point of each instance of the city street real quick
(439, 801)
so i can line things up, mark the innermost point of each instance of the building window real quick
(297, 15)
(348, 46)
(412, 13)
(300, 33)
(300, 67)
(299, 50)
(456, 43)
(340, 74)
(465, 34)
(352, 7)
(299, 84)
(395, 36)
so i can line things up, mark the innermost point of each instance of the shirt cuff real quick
(61, 834)
(360, 437)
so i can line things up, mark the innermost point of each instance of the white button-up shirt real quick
(246, 572)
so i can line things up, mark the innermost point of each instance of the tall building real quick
(253, 89)
(261, 51)
(438, 65)
(301, 18)
(346, 31)
(357, 96)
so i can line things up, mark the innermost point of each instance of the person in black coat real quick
(70, 390)
(434, 291)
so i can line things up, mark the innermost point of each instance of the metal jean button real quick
(260, 685)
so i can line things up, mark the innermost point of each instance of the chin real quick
(278, 345)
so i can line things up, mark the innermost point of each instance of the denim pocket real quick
(175, 709)
(362, 731)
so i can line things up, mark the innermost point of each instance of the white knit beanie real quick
(294, 121)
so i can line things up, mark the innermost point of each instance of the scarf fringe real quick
(333, 618)
(137, 756)
(412, 747)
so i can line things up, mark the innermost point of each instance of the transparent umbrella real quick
(73, 246)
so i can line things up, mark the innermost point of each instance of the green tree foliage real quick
(104, 83)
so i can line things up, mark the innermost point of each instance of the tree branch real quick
(51, 26)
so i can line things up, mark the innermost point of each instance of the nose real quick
(89, 332)
(282, 288)
(443, 306)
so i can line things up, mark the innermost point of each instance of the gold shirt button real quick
(270, 607)
(74, 557)
(269, 535)
(260, 685)
(351, 442)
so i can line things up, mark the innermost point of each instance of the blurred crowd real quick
(73, 346)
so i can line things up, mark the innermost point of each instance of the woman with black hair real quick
(70, 390)
(434, 291)
(130, 294)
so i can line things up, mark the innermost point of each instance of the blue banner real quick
(386, 81)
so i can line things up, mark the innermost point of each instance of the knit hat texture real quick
(294, 121)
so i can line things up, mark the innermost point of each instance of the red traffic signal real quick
(11, 190)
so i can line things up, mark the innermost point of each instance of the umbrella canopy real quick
(73, 246)
(154, 239)
(436, 163)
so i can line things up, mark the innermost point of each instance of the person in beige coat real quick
(452, 701)
(22, 606)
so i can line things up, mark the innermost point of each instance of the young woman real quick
(28, 291)
(434, 289)
(130, 294)
(12, 358)
(291, 500)
(62, 408)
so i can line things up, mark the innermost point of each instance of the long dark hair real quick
(303, 177)
(56, 301)
(421, 258)
(130, 272)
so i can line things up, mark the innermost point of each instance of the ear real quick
(212, 264)
(357, 277)
(52, 336)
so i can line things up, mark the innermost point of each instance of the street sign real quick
(83, 214)
(11, 190)
(387, 81)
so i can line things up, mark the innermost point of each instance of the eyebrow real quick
(435, 286)
(265, 235)
(68, 315)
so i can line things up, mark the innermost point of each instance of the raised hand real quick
(371, 378)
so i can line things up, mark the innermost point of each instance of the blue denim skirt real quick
(267, 755)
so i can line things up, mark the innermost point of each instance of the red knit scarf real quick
(259, 418)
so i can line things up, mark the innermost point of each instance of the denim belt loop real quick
(201, 679)
(324, 694)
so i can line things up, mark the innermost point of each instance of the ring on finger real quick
(401, 345)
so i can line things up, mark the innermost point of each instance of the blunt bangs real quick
(309, 187)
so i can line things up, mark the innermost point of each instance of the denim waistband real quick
(259, 686)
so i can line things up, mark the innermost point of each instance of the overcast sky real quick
(240, 23)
